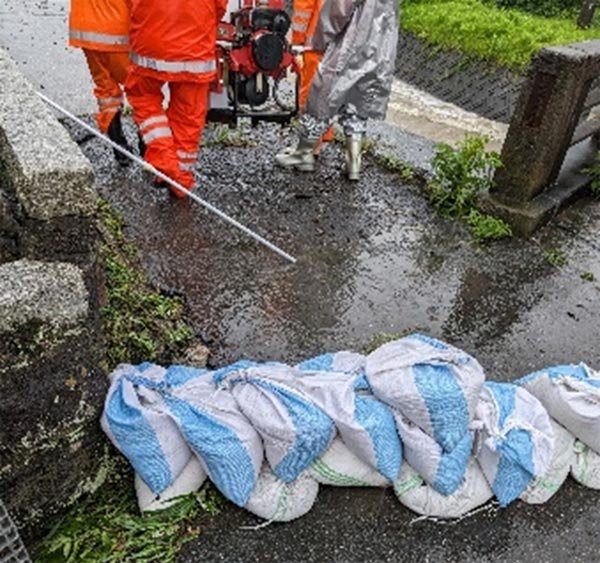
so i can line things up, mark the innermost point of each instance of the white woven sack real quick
(414, 493)
(586, 466)
(443, 471)
(276, 501)
(433, 384)
(339, 467)
(543, 488)
(294, 430)
(189, 481)
(571, 395)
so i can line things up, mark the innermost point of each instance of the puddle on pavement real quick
(372, 257)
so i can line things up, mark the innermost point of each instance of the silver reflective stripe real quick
(157, 133)
(153, 120)
(104, 38)
(299, 27)
(187, 155)
(106, 101)
(196, 67)
(187, 166)
(302, 15)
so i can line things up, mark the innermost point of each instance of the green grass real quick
(485, 227)
(139, 322)
(107, 527)
(555, 257)
(508, 37)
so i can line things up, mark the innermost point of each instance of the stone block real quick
(547, 113)
(525, 217)
(50, 176)
(51, 388)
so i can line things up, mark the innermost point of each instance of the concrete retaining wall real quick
(51, 386)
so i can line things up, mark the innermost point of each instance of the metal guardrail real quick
(12, 549)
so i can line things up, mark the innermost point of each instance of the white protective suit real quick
(359, 38)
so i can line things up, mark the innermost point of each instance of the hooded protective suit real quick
(360, 39)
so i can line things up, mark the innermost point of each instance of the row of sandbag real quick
(416, 413)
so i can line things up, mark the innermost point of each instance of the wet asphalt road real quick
(372, 257)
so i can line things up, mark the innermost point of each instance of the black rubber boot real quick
(116, 135)
(141, 145)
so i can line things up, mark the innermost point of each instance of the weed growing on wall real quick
(139, 323)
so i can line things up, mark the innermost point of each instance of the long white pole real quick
(170, 181)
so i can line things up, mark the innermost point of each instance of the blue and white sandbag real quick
(364, 424)
(571, 395)
(137, 422)
(189, 481)
(433, 384)
(277, 501)
(351, 363)
(543, 488)
(444, 471)
(413, 492)
(295, 431)
(224, 440)
(515, 441)
(585, 468)
(339, 467)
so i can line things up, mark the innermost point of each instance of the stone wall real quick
(51, 385)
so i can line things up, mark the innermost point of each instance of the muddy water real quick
(372, 257)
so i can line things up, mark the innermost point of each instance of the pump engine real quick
(254, 58)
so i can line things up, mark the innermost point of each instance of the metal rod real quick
(170, 181)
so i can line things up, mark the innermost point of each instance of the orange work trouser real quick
(172, 137)
(108, 71)
(311, 62)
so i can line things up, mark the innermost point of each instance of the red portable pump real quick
(254, 55)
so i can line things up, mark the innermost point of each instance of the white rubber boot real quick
(300, 158)
(354, 157)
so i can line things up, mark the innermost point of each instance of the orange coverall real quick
(304, 22)
(172, 42)
(101, 28)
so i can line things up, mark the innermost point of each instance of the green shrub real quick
(459, 176)
(567, 9)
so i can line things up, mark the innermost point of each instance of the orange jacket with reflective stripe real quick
(305, 19)
(100, 25)
(170, 37)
